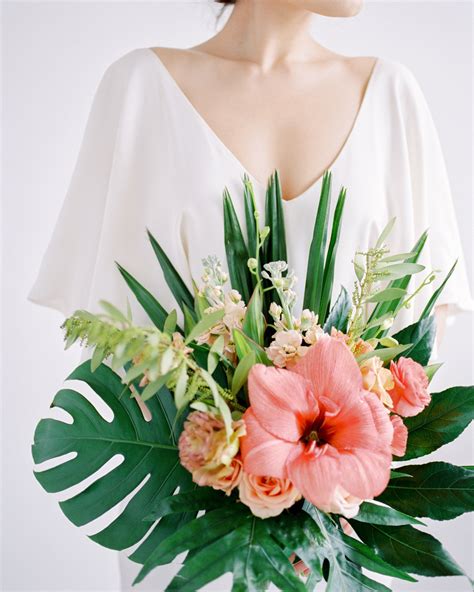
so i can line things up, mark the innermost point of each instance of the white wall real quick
(53, 56)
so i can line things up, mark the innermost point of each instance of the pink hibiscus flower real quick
(316, 425)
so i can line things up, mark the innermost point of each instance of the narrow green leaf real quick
(244, 345)
(175, 283)
(441, 422)
(250, 219)
(236, 250)
(315, 269)
(329, 266)
(242, 371)
(339, 315)
(385, 233)
(170, 322)
(149, 303)
(377, 514)
(275, 247)
(385, 353)
(153, 387)
(113, 311)
(215, 353)
(180, 397)
(436, 294)
(397, 257)
(254, 322)
(396, 271)
(387, 295)
(97, 358)
(189, 320)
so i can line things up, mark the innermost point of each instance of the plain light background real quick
(54, 54)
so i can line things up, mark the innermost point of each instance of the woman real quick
(169, 128)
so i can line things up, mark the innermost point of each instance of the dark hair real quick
(226, 1)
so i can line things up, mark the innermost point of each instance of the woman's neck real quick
(267, 34)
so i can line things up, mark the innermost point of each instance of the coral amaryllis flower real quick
(317, 426)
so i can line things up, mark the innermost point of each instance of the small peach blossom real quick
(377, 379)
(286, 347)
(267, 496)
(410, 391)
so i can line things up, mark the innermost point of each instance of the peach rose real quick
(400, 436)
(224, 478)
(410, 392)
(377, 379)
(267, 496)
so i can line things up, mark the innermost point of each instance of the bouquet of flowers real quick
(260, 441)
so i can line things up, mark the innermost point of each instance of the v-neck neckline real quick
(232, 156)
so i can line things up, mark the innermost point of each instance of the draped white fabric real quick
(149, 160)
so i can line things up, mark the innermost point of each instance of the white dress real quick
(148, 159)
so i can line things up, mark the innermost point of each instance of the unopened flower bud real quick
(252, 264)
(387, 324)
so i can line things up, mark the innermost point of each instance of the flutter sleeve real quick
(64, 278)
(432, 200)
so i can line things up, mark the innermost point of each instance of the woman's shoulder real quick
(133, 61)
(399, 75)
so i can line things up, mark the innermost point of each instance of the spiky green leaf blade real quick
(148, 302)
(236, 250)
(175, 282)
(254, 321)
(436, 294)
(330, 263)
(339, 315)
(275, 246)
(244, 344)
(378, 514)
(436, 490)
(315, 268)
(250, 218)
(441, 422)
(242, 371)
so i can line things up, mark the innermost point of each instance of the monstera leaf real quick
(149, 451)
